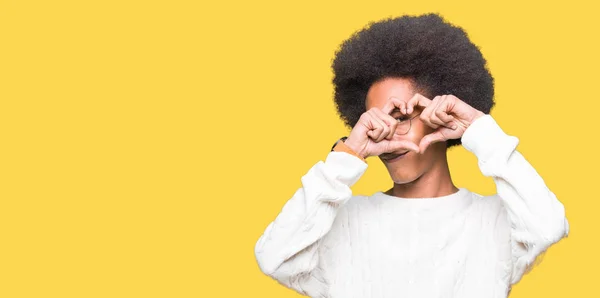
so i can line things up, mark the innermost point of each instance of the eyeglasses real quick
(404, 125)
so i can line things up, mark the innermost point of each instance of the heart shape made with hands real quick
(446, 114)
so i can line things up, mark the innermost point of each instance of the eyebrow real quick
(396, 110)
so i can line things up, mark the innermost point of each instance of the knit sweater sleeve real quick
(288, 249)
(536, 217)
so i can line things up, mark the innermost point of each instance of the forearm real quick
(286, 248)
(536, 217)
(525, 195)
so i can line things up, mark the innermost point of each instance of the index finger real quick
(393, 103)
(418, 100)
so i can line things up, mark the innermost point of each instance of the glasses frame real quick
(409, 123)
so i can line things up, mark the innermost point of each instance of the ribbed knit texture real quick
(327, 242)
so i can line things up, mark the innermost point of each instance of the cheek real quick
(418, 131)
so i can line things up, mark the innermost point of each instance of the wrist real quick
(349, 142)
(476, 116)
(341, 146)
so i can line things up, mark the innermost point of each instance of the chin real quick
(404, 177)
(406, 171)
(403, 180)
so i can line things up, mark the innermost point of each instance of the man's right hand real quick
(373, 133)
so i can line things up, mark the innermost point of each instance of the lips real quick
(389, 157)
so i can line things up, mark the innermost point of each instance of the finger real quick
(374, 129)
(392, 104)
(441, 113)
(382, 129)
(444, 116)
(390, 121)
(372, 134)
(417, 100)
(385, 129)
(371, 126)
(430, 139)
(433, 112)
(426, 114)
(427, 120)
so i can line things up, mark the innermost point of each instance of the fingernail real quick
(454, 126)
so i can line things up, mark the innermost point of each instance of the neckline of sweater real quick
(457, 200)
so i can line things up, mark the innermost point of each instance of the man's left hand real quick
(446, 114)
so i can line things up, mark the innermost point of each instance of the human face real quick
(410, 166)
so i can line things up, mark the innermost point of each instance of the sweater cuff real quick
(484, 137)
(342, 147)
(345, 167)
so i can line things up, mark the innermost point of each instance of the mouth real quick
(392, 157)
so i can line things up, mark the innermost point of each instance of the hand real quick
(372, 134)
(447, 114)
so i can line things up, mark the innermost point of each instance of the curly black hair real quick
(435, 55)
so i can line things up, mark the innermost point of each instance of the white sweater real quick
(327, 242)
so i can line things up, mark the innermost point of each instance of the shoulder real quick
(491, 202)
(358, 203)
(358, 208)
(360, 200)
(489, 208)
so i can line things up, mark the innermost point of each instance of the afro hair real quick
(435, 55)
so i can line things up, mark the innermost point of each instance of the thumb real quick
(430, 139)
(395, 145)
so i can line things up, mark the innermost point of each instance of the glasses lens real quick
(403, 127)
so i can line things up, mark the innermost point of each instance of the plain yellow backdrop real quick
(146, 145)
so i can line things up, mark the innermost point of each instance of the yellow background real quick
(146, 145)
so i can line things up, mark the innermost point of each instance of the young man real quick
(410, 87)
